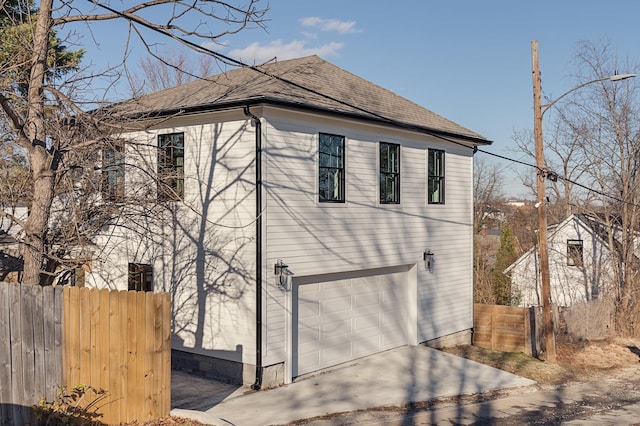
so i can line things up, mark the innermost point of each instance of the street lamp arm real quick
(615, 77)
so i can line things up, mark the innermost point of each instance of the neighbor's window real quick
(113, 171)
(331, 168)
(171, 166)
(435, 170)
(140, 277)
(574, 253)
(389, 173)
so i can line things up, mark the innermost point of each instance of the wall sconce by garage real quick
(427, 256)
(281, 271)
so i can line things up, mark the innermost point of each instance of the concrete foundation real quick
(226, 371)
(456, 339)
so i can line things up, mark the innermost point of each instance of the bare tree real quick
(563, 155)
(170, 68)
(593, 144)
(487, 184)
(44, 96)
(604, 116)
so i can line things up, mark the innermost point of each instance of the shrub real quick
(77, 406)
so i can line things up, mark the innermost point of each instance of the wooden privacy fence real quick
(118, 341)
(30, 349)
(505, 328)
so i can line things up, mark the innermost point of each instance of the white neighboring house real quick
(579, 264)
(9, 231)
(314, 218)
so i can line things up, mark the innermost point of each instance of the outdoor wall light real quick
(427, 256)
(281, 271)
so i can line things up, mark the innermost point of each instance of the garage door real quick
(347, 317)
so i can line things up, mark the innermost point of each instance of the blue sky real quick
(469, 61)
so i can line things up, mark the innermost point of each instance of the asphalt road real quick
(604, 400)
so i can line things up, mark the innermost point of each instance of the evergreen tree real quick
(505, 256)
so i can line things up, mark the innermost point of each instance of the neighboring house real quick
(311, 218)
(579, 264)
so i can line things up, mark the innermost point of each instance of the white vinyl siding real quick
(361, 234)
(569, 284)
(206, 259)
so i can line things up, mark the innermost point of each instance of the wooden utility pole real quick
(542, 209)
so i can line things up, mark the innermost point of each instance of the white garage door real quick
(347, 317)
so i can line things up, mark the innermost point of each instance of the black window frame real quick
(575, 252)
(113, 171)
(171, 166)
(140, 277)
(331, 165)
(389, 173)
(436, 162)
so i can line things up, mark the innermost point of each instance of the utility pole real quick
(542, 209)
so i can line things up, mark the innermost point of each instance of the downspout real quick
(258, 383)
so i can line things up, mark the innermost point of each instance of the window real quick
(435, 171)
(331, 168)
(574, 253)
(389, 173)
(140, 277)
(171, 166)
(113, 171)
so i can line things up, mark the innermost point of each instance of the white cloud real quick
(256, 53)
(342, 27)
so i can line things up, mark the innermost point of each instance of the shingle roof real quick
(330, 88)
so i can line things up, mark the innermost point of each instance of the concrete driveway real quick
(399, 376)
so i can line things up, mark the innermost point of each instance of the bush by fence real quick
(54, 337)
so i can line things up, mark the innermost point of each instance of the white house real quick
(579, 264)
(311, 218)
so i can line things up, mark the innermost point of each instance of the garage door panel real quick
(371, 321)
(308, 309)
(336, 304)
(366, 299)
(309, 335)
(366, 345)
(311, 359)
(338, 286)
(335, 328)
(343, 319)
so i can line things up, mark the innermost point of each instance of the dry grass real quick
(577, 360)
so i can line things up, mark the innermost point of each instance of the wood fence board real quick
(503, 328)
(123, 348)
(140, 349)
(5, 352)
(148, 357)
(94, 321)
(72, 337)
(48, 333)
(39, 343)
(28, 349)
(157, 354)
(134, 392)
(166, 355)
(54, 337)
(84, 377)
(103, 345)
(17, 382)
(114, 363)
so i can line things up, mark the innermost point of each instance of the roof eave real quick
(218, 106)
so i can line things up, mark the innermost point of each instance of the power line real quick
(562, 178)
(230, 60)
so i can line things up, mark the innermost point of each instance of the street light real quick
(542, 173)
